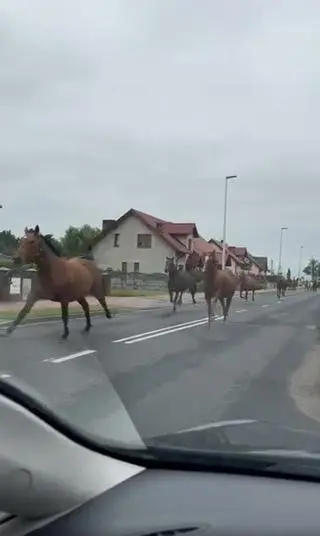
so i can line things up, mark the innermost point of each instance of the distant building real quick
(139, 242)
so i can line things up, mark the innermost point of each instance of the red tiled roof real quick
(168, 231)
(228, 250)
(243, 253)
(202, 247)
(240, 252)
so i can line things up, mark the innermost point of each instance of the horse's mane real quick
(49, 242)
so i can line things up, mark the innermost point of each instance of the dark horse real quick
(179, 282)
(281, 287)
(219, 285)
(248, 284)
(59, 279)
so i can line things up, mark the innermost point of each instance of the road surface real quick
(169, 371)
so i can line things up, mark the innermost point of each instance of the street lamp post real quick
(300, 260)
(229, 177)
(280, 249)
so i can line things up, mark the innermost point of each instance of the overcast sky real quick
(107, 105)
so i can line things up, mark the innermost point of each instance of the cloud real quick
(111, 104)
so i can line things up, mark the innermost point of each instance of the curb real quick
(76, 316)
(117, 312)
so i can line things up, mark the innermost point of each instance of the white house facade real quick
(139, 243)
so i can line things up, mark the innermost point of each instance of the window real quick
(124, 267)
(116, 240)
(144, 241)
(136, 267)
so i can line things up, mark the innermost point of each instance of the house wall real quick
(254, 270)
(151, 260)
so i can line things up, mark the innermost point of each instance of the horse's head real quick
(170, 265)
(30, 247)
(212, 258)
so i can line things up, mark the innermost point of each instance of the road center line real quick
(160, 330)
(174, 330)
(69, 357)
(265, 305)
(241, 311)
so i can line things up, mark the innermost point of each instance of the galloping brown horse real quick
(59, 279)
(218, 284)
(179, 281)
(249, 284)
(281, 287)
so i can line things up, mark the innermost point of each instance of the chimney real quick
(106, 224)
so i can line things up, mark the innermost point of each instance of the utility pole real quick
(227, 179)
(280, 249)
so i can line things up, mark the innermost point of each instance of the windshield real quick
(159, 268)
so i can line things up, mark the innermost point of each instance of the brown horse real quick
(281, 287)
(219, 285)
(179, 281)
(249, 284)
(59, 279)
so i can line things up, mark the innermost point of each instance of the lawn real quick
(132, 293)
(50, 313)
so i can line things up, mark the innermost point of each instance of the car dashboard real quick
(173, 503)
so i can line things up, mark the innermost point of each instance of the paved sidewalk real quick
(133, 302)
(121, 302)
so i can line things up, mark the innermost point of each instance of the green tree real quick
(77, 240)
(8, 242)
(312, 268)
(56, 243)
(289, 275)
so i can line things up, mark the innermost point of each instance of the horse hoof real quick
(108, 314)
(86, 329)
(64, 336)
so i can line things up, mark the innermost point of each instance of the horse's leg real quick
(175, 300)
(193, 291)
(221, 299)
(180, 297)
(247, 292)
(209, 309)
(253, 298)
(65, 319)
(30, 301)
(104, 305)
(85, 306)
(227, 307)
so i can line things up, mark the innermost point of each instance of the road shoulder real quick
(305, 384)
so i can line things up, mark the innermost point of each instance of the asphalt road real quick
(169, 371)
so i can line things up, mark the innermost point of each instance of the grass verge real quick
(131, 293)
(52, 314)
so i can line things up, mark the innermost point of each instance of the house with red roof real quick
(139, 242)
(254, 265)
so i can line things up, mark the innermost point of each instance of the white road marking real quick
(265, 305)
(216, 424)
(69, 357)
(5, 376)
(168, 331)
(165, 328)
(241, 311)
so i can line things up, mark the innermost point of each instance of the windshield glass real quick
(159, 267)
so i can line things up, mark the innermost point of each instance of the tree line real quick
(75, 241)
(313, 268)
